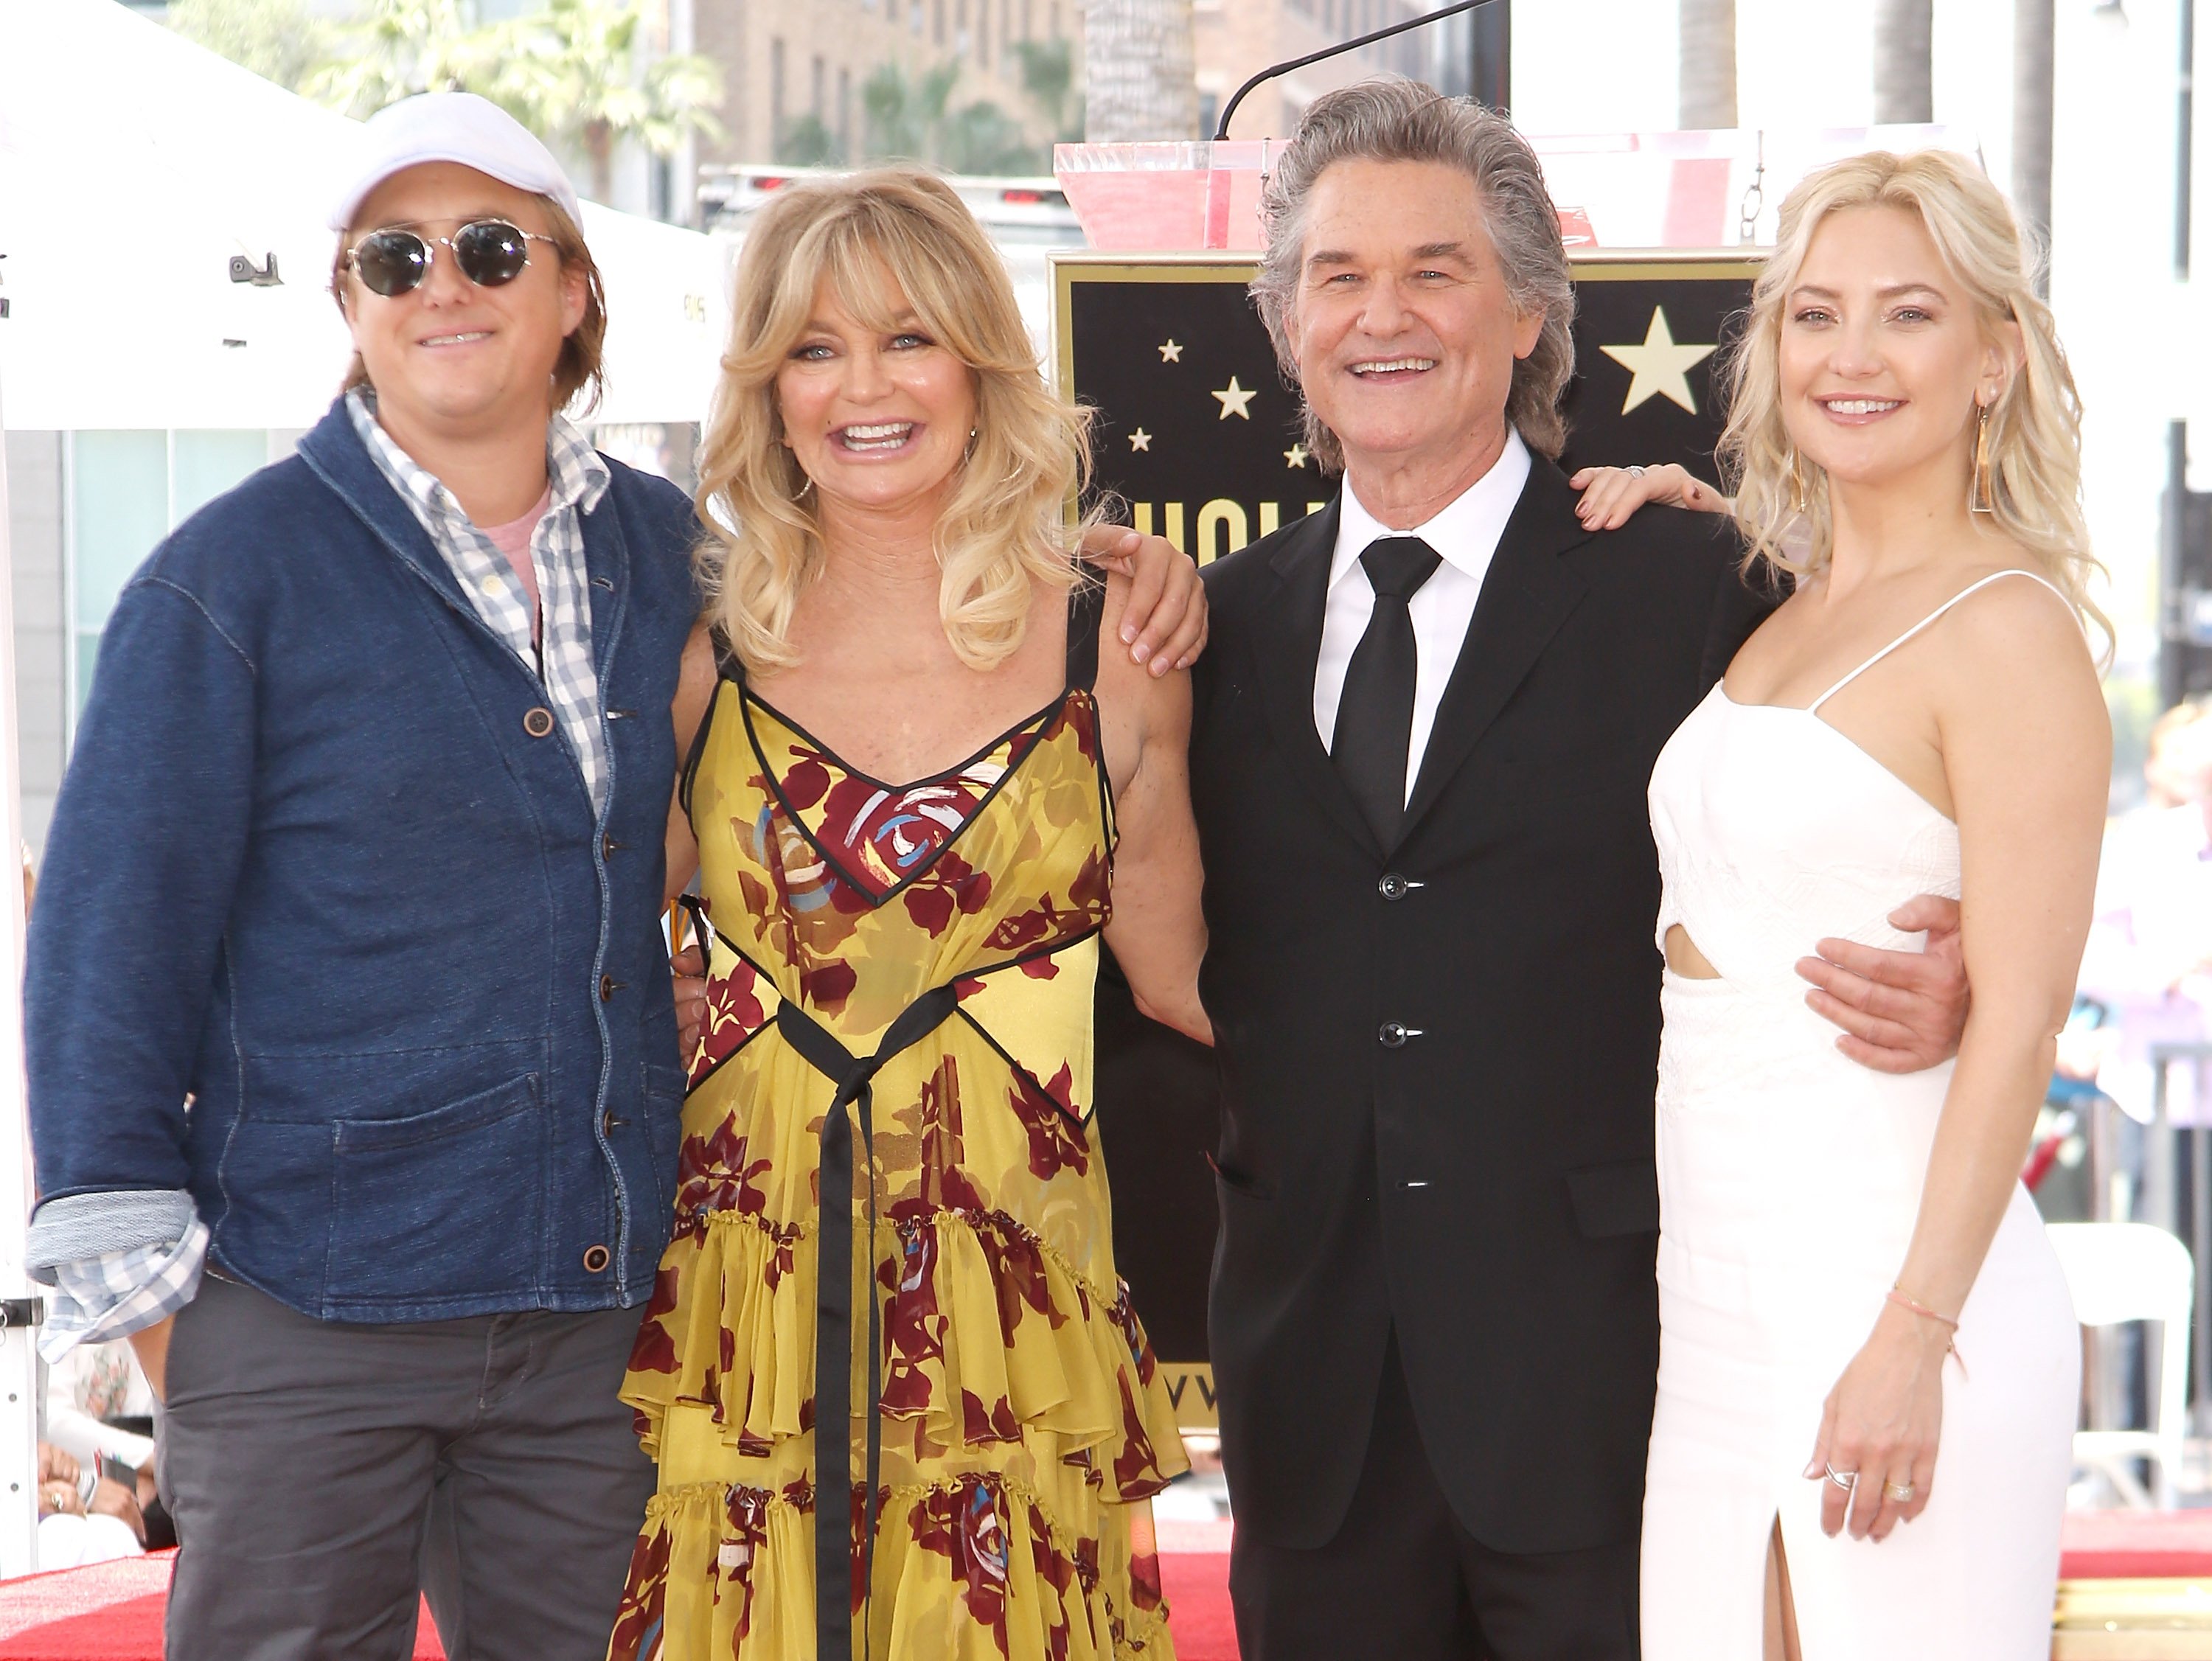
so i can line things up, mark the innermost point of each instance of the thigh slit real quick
(1781, 1608)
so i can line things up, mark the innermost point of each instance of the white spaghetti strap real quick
(1929, 621)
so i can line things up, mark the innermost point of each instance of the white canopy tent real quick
(135, 167)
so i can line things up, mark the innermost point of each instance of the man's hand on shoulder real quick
(1901, 1012)
(1163, 621)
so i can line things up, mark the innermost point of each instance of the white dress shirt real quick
(1465, 536)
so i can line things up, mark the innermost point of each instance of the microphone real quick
(1268, 74)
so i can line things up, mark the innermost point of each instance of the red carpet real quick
(113, 1611)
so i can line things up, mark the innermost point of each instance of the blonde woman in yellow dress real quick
(918, 795)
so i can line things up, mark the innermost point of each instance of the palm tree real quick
(905, 119)
(807, 142)
(2033, 75)
(568, 70)
(1048, 82)
(1904, 60)
(1706, 82)
(916, 121)
(1140, 70)
(393, 49)
(279, 40)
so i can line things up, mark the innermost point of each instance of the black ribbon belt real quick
(854, 1076)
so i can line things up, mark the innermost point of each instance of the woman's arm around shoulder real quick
(1159, 931)
(695, 695)
(696, 685)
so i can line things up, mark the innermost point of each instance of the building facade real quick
(795, 77)
(1237, 39)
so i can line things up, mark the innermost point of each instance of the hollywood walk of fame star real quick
(1296, 455)
(1171, 353)
(1660, 367)
(1236, 400)
(1140, 439)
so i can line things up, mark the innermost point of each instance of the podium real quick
(1699, 190)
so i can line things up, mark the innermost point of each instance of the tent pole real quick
(18, 1365)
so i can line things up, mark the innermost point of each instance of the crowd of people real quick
(775, 1314)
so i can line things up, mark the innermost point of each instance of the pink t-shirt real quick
(512, 539)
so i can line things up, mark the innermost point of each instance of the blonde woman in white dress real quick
(1869, 1364)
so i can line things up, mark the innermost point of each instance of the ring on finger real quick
(1900, 1491)
(1635, 472)
(1845, 1480)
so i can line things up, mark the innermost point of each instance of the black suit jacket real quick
(1486, 1187)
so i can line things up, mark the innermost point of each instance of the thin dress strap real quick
(1928, 621)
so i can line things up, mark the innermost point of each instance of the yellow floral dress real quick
(1021, 1425)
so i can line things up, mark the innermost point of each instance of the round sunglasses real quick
(489, 252)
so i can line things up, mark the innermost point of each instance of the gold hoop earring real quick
(1979, 496)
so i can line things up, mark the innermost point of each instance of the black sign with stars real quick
(1198, 435)
(1648, 331)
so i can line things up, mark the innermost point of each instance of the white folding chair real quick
(2134, 1271)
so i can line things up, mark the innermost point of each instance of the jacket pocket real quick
(443, 1202)
(1238, 1183)
(1618, 1198)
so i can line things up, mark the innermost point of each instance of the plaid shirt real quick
(118, 1293)
(561, 657)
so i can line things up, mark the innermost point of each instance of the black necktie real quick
(1375, 716)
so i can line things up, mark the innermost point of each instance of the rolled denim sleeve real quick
(136, 886)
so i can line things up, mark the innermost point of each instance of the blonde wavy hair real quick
(2034, 426)
(872, 238)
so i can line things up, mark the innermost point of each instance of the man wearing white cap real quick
(355, 1081)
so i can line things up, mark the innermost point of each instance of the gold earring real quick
(1979, 499)
(1800, 492)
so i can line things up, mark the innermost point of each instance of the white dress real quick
(1789, 1178)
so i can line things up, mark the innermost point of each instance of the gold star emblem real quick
(1235, 400)
(1660, 367)
(1296, 455)
(1171, 353)
(1140, 439)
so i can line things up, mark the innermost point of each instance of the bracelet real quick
(1905, 1301)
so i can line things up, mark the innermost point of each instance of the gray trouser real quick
(324, 1475)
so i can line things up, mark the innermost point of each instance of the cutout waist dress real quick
(1790, 1181)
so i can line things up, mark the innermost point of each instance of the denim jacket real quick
(323, 865)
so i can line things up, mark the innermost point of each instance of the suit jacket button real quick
(538, 722)
(1393, 1035)
(1393, 886)
(608, 987)
(596, 1258)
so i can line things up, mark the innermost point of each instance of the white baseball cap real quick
(449, 126)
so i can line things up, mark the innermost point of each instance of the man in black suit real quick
(1420, 746)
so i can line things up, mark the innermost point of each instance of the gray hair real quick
(1392, 119)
